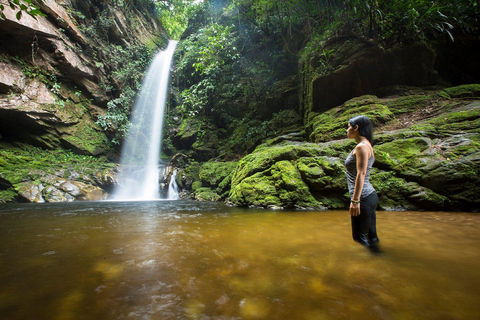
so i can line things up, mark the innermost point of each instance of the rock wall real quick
(348, 67)
(53, 75)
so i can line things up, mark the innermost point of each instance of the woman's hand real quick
(354, 209)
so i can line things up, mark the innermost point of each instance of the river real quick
(192, 260)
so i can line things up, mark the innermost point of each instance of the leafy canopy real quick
(174, 15)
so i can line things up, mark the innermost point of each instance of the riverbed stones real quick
(59, 190)
(31, 192)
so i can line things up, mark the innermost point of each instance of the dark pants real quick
(364, 226)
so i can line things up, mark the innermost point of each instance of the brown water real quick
(187, 260)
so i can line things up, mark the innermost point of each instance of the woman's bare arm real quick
(361, 154)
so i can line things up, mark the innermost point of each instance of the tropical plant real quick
(174, 15)
(21, 6)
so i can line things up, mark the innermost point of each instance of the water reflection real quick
(189, 260)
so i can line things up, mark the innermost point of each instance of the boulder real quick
(31, 192)
(206, 194)
(270, 177)
(58, 190)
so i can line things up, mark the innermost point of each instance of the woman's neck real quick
(360, 139)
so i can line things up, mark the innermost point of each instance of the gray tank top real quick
(351, 170)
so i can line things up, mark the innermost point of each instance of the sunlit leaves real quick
(22, 6)
(208, 58)
(174, 15)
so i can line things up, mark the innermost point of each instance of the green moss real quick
(332, 124)
(22, 163)
(256, 190)
(292, 191)
(216, 175)
(322, 173)
(189, 128)
(7, 196)
(213, 173)
(408, 103)
(397, 194)
(396, 153)
(196, 185)
(460, 121)
(361, 101)
(206, 194)
(463, 149)
(263, 158)
(191, 174)
(463, 91)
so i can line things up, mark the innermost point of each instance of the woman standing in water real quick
(363, 198)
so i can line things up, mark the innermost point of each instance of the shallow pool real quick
(190, 260)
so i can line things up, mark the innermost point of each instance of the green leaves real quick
(174, 15)
(129, 64)
(208, 58)
(22, 6)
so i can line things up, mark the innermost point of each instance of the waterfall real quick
(172, 187)
(139, 175)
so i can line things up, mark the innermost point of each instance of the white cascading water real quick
(172, 187)
(139, 176)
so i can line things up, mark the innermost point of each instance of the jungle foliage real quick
(174, 15)
(123, 62)
(236, 55)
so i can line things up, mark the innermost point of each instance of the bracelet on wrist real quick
(355, 201)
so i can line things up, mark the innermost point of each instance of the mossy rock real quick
(263, 158)
(398, 194)
(189, 175)
(458, 121)
(322, 173)
(206, 194)
(361, 101)
(206, 147)
(281, 176)
(409, 103)
(196, 185)
(463, 91)
(292, 190)
(257, 190)
(24, 165)
(332, 124)
(212, 173)
(187, 133)
(394, 154)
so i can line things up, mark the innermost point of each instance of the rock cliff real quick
(58, 73)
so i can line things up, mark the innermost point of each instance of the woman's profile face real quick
(350, 130)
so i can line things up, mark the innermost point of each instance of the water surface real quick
(190, 260)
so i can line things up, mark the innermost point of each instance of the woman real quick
(363, 198)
